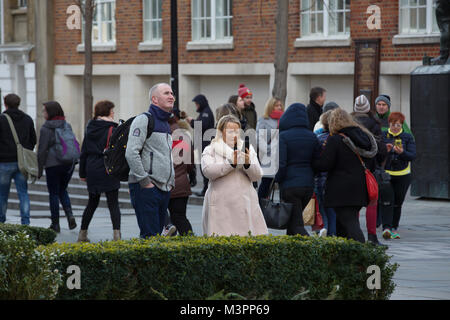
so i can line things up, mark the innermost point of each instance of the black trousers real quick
(112, 198)
(177, 209)
(347, 223)
(299, 197)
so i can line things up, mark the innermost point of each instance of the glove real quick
(193, 178)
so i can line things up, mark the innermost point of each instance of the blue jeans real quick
(9, 171)
(328, 214)
(150, 206)
(57, 181)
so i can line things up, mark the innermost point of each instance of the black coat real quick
(205, 116)
(92, 166)
(346, 181)
(314, 112)
(25, 131)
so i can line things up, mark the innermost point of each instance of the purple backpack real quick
(67, 146)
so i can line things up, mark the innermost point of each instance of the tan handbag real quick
(310, 212)
(27, 159)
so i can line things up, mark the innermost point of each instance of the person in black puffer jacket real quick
(345, 187)
(364, 116)
(93, 171)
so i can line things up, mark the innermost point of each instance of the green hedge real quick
(274, 267)
(42, 236)
(26, 273)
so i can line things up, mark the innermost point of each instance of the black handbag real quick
(277, 215)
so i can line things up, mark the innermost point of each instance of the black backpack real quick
(114, 155)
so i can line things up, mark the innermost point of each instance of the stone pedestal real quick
(430, 124)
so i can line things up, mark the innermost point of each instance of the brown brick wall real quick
(253, 31)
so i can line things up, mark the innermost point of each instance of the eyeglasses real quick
(396, 125)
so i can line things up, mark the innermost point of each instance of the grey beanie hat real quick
(384, 99)
(362, 105)
(330, 106)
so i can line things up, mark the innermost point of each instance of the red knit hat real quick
(244, 91)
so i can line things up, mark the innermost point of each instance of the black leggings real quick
(112, 198)
(392, 200)
(347, 223)
(177, 209)
(299, 197)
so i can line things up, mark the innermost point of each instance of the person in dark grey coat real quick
(93, 171)
(57, 173)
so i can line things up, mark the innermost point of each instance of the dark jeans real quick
(150, 206)
(264, 188)
(397, 193)
(328, 214)
(112, 198)
(177, 209)
(299, 197)
(347, 223)
(57, 181)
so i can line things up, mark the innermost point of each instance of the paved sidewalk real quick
(423, 251)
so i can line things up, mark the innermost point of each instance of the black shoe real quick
(200, 194)
(70, 218)
(372, 238)
(55, 227)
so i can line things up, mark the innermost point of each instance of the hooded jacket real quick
(150, 160)
(25, 131)
(346, 181)
(47, 145)
(298, 147)
(92, 165)
(205, 116)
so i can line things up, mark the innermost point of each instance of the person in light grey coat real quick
(152, 174)
(268, 135)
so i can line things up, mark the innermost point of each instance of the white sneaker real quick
(323, 233)
(169, 230)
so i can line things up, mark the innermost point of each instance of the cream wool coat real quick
(231, 205)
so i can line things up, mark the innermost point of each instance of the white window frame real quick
(22, 4)
(212, 43)
(97, 44)
(323, 39)
(420, 36)
(151, 44)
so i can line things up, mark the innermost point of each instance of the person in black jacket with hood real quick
(93, 171)
(207, 118)
(8, 156)
(317, 97)
(345, 188)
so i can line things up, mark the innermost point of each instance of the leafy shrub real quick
(26, 273)
(273, 267)
(41, 235)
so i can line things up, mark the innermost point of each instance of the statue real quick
(443, 21)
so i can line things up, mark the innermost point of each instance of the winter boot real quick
(372, 238)
(55, 227)
(82, 236)
(70, 218)
(116, 234)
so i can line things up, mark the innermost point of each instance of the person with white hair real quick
(152, 174)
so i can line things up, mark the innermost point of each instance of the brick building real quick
(223, 43)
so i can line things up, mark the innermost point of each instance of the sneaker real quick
(169, 231)
(395, 235)
(323, 233)
(387, 234)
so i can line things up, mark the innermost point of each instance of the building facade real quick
(223, 43)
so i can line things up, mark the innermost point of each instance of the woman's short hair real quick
(396, 116)
(53, 109)
(270, 105)
(103, 108)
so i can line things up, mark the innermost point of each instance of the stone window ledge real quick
(401, 39)
(322, 42)
(210, 45)
(150, 46)
(110, 47)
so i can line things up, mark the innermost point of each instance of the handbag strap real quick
(357, 154)
(13, 129)
(109, 136)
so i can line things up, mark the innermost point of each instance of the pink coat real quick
(231, 205)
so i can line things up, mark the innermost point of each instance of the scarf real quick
(58, 118)
(276, 115)
(395, 134)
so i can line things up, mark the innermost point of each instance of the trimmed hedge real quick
(42, 236)
(274, 267)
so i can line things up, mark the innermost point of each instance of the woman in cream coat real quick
(231, 204)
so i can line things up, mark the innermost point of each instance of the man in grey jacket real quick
(152, 174)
